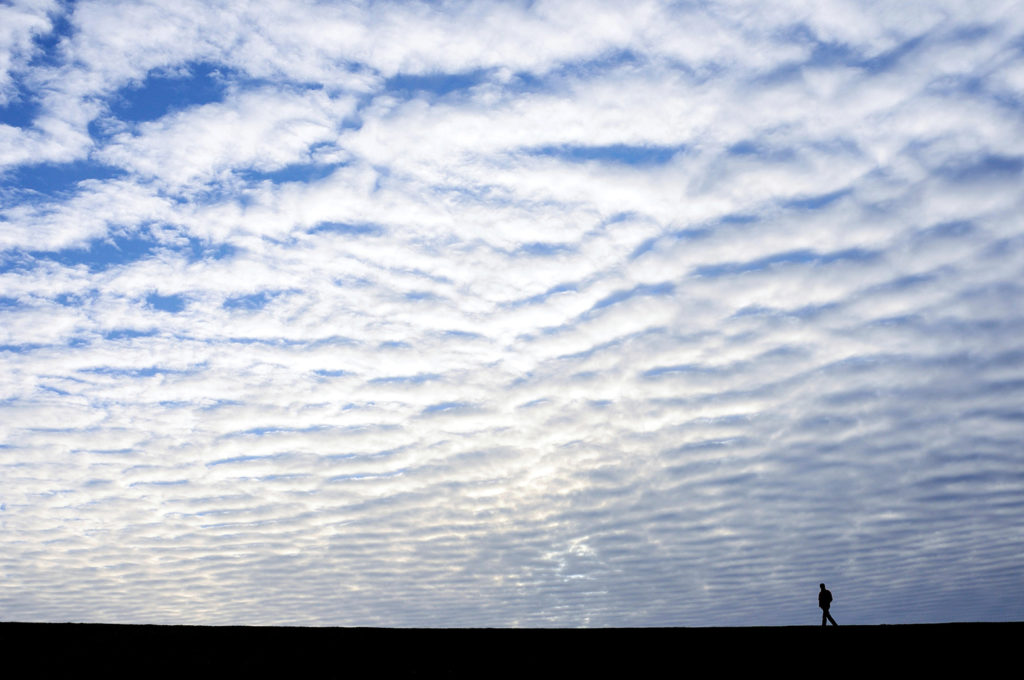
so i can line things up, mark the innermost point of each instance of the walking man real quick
(825, 601)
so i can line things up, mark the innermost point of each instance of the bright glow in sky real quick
(511, 313)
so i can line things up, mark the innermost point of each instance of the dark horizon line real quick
(494, 628)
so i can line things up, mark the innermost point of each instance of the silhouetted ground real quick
(67, 650)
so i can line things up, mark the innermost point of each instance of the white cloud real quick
(20, 23)
(657, 303)
(257, 130)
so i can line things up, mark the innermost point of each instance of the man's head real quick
(823, 586)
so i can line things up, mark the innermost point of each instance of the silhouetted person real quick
(825, 601)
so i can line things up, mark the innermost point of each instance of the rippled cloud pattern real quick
(511, 313)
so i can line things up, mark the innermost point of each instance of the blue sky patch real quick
(22, 347)
(349, 229)
(21, 109)
(737, 218)
(297, 172)
(147, 372)
(762, 152)
(241, 459)
(174, 482)
(252, 302)
(461, 335)
(953, 229)
(890, 58)
(421, 295)
(554, 290)
(101, 254)
(677, 235)
(445, 407)
(75, 299)
(166, 303)
(272, 429)
(626, 154)
(786, 258)
(679, 369)
(55, 179)
(330, 341)
(901, 284)
(826, 54)
(639, 291)
(199, 249)
(830, 54)
(539, 249)
(163, 93)
(418, 379)
(607, 61)
(434, 84)
(815, 202)
(48, 44)
(987, 168)
(46, 52)
(129, 334)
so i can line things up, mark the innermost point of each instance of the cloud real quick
(510, 314)
(22, 23)
(258, 130)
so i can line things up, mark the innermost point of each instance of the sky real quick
(511, 314)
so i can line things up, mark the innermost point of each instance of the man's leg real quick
(825, 613)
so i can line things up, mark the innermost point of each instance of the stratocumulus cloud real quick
(511, 314)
